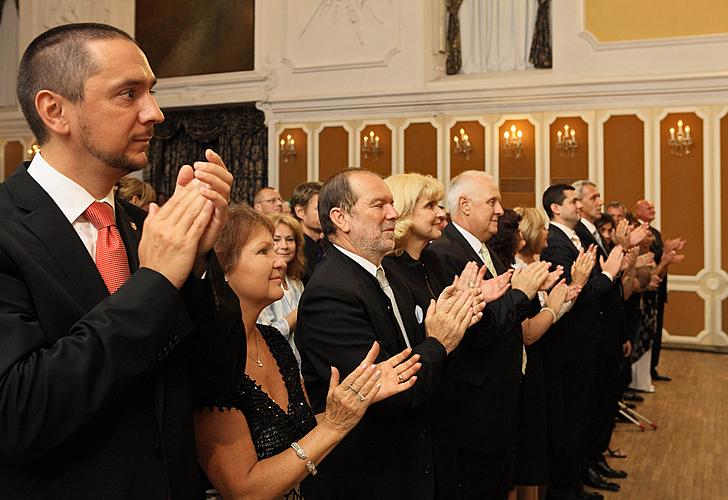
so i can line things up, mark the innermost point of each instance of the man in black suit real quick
(607, 388)
(570, 346)
(304, 207)
(485, 375)
(95, 381)
(350, 303)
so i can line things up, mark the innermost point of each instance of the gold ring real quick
(352, 388)
(361, 396)
(471, 284)
(399, 376)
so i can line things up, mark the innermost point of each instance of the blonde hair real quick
(532, 222)
(297, 266)
(406, 190)
(129, 187)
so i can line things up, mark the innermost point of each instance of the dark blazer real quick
(487, 367)
(611, 303)
(575, 337)
(342, 312)
(95, 390)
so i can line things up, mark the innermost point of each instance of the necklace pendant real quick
(260, 363)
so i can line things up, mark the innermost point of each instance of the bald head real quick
(645, 210)
(475, 203)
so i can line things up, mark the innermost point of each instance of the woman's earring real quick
(226, 279)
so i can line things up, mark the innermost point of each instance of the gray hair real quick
(580, 185)
(460, 186)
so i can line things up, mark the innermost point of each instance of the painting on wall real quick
(188, 37)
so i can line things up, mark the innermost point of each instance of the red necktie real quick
(111, 257)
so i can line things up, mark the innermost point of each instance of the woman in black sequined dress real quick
(263, 439)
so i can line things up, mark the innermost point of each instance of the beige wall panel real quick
(624, 159)
(333, 151)
(620, 20)
(475, 132)
(381, 163)
(682, 192)
(294, 172)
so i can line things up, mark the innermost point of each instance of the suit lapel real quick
(130, 230)
(452, 233)
(58, 238)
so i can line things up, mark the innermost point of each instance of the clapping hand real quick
(557, 296)
(583, 265)
(552, 278)
(449, 317)
(530, 279)
(613, 262)
(471, 281)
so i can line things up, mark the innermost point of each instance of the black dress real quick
(272, 429)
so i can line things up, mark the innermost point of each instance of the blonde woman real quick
(288, 245)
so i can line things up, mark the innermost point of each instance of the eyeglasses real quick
(272, 200)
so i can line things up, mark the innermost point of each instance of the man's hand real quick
(495, 288)
(638, 234)
(449, 317)
(645, 260)
(470, 281)
(629, 259)
(172, 233)
(654, 283)
(613, 262)
(530, 279)
(622, 233)
(214, 183)
(627, 349)
(676, 244)
(582, 267)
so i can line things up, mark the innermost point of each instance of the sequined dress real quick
(272, 429)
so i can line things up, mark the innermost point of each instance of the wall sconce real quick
(462, 145)
(287, 149)
(370, 145)
(680, 143)
(33, 150)
(566, 142)
(512, 143)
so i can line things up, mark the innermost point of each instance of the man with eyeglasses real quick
(268, 201)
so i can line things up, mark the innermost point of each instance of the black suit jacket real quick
(611, 303)
(486, 368)
(95, 390)
(342, 312)
(575, 337)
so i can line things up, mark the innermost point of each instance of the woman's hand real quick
(557, 296)
(495, 288)
(583, 265)
(553, 278)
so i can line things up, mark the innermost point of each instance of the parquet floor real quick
(687, 457)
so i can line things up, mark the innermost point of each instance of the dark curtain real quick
(540, 55)
(238, 134)
(454, 51)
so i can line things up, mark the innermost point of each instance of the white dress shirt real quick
(71, 198)
(275, 314)
(472, 240)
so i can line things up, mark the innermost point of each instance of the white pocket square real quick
(419, 315)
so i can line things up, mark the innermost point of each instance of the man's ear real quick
(555, 209)
(299, 212)
(53, 110)
(340, 218)
(464, 205)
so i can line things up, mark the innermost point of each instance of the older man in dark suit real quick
(97, 319)
(349, 303)
(485, 375)
(571, 346)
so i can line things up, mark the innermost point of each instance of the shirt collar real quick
(591, 227)
(567, 230)
(71, 198)
(367, 265)
(472, 240)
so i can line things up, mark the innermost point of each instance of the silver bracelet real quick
(549, 310)
(310, 466)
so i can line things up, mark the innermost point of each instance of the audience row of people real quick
(523, 399)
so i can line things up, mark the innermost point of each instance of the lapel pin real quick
(133, 226)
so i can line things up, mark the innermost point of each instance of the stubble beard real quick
(117, 161)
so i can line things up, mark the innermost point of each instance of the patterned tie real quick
(387, 289)
(487, 260)
(598, 238)
(576, 241)
(111, 257)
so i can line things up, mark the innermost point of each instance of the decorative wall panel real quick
(517, 176)
(294, 172)
(568, 170)
(624, 159)
(333, 151)
(420, 149)
(382, 162)
(476, 136)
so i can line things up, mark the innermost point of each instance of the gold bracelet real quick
(310, 466)
(549, 310)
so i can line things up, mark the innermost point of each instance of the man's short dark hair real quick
(554, 194)
(603, 220)
(337, 192)
(58, 60)
(303, 194)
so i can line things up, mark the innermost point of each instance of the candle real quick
(506, 135)
(513, 129)
(376, 140)
(292, 142)
(283, 142)
(462, 131)
(366, 139)
(687, 131)
(558, 136)
(679, 128)
(573, 133)
(672, 134)
(455, 139)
